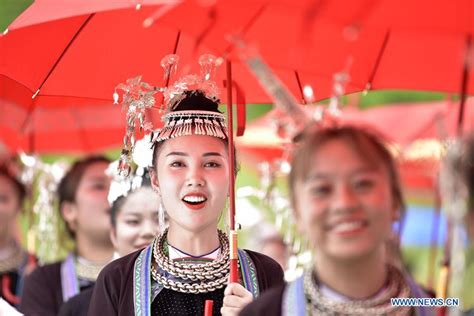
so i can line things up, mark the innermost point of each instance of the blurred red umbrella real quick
(392, 44)
(417, 129)
(44, 108)
(58, 71)
(382, 44)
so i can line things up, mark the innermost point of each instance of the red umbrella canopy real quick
(404, 44)
(415, 129)
(79, 59)
(54, 62)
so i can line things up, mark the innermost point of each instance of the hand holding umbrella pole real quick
(233, 233)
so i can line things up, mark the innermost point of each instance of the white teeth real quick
(347, 226)
(194, 199)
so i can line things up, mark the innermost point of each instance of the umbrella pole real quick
(208, 307)
(450, 247)
(464, 83)
(434, 237)
(233, 233)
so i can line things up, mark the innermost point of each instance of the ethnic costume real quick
(49, 286)
(153, 281)
(137, 285)
(307, 296)
(15, 263)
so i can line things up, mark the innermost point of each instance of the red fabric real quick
(425, 50)
(425, 47)
(401, 124)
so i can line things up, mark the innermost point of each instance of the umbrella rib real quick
(300, 88)
(368, 86)
(66, 49)
(246, 27)
(32, 106)
(464, 82)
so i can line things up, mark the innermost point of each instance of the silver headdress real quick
(178, 121)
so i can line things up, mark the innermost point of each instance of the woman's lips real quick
(349, 227)
(195, 201)
(195, 206)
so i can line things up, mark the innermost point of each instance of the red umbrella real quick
(415, 128)
(73, 63)
(85, 56)
(44, 110)
(392, 43)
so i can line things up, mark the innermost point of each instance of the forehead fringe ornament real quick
(139, 96)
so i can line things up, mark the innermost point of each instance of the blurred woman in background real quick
(135, 223)
(15, 262)
(346, 195)
(84, 207)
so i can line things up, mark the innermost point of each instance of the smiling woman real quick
(135, 220)
(189, 262)
(345, 194)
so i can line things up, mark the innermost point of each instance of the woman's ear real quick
(113, 237)
(396, 211)
(69, 212)
(154, 181)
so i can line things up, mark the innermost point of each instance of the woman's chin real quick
(351, 252)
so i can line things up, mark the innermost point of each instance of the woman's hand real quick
(236, 297)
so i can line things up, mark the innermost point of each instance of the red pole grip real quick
(234, 270)
(208, 307)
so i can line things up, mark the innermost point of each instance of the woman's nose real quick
(345, 198)
(195, 177)
(149, 230)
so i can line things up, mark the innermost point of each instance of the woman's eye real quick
(212, 164)
(100, 186)
(363, 184)
(132, 222)
(321, 190)
(177, 164)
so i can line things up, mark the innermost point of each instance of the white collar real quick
(175, 253)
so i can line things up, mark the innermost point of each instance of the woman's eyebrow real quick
(176, 153)
(321, 175)
(317, 176)
(179, 153)
(132, 213)
(209, 154)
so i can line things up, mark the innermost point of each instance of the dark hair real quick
(194, 100)
(19, 187)
(362, 142)
(68, 185)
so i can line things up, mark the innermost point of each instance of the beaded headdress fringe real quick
(185, 123)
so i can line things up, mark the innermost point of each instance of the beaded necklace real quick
(190, 277)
